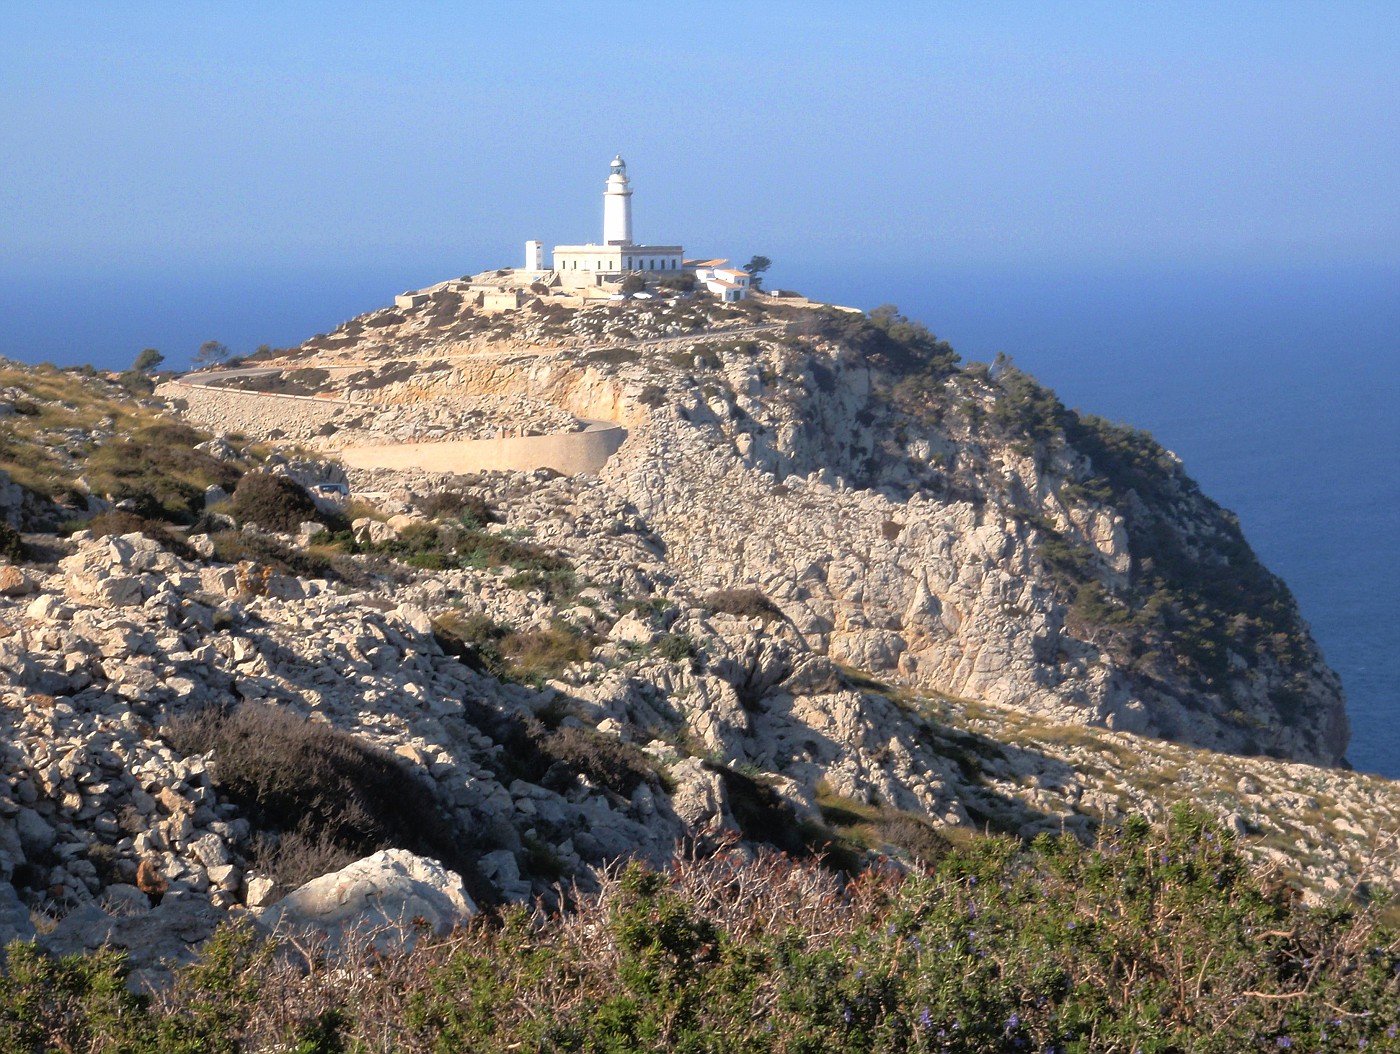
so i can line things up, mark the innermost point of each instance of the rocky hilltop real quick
(953, 527)
(836, 591)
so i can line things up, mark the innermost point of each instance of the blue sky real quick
(305, 135)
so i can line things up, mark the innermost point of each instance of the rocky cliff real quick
(954, 527)
(836, 591)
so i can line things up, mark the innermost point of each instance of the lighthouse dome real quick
(619, 167)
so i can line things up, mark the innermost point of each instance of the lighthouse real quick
(618, 256)
(617, 205)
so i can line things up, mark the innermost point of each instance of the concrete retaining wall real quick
(571, 453)
(252, 413)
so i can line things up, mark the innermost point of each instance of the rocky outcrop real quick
(810, 597)
(955, 529)
(387, 897)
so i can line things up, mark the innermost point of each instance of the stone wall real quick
(571, 453)
(251, 413)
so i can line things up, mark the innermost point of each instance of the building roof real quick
(704, 263)
(727, 285)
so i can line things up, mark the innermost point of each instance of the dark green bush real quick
(676, 647)
(328, 788)
(1157, 941)
(158, 470)
(234, 547)
(471, 510)
(606, 760)
(527, 656)
(12, 546)
(274, 503)
(744, 603)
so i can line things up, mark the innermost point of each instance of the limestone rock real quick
(387, 893)
(14, 582)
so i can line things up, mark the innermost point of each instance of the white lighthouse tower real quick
(617, 206)
(619, 256)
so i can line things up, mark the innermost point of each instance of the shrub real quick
(470, 509)
(676, 647)
(324, 786)
(913, 836)
(158, 469)
(605, 760)
(236, 547)
(744, 603)
(1148, 940)
(274, 503)
(474, 639)
(534, 656)
(12, 546)
(527, 656)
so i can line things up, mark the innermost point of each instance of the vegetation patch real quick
(461, 544)
(272, 502)
(1153, 940)
(526, 656)
(336, 796)
(158, 469)
(743, 603)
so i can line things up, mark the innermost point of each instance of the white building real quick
(617, 256)
(725, 282)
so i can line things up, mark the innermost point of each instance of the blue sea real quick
(1280, 389)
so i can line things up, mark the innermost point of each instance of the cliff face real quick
(962, 530)
(952, 526)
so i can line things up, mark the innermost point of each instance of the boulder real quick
(15, 921)
(14, 582)
(387, 895)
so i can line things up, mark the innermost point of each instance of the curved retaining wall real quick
(571, 453)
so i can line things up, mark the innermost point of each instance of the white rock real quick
(385, 892)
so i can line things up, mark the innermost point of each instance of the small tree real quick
(148, 361)
(633, 283)
(211, 353)
(756, 266)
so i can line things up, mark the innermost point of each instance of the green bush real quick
(274, 503)
(470, 510)
(158, 470)
(744, 603)
(1148, 940)
(328, 788)
(235, 547)
(606, 760)
(12, 546)
(676, 647)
